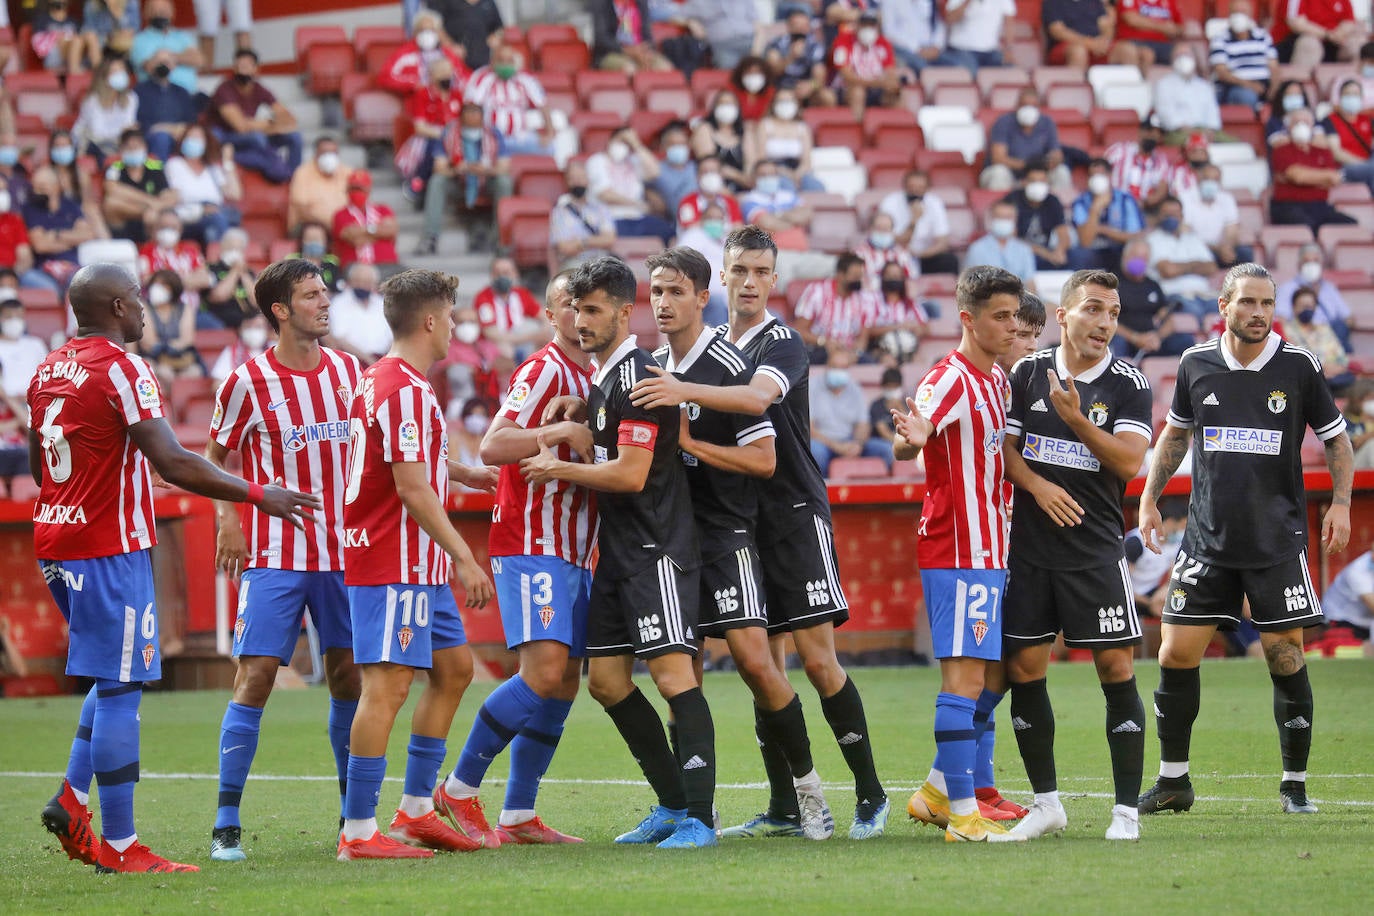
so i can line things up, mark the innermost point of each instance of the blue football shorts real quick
(964, 607)
(111, 615)
(543, 598)
(403, 624)
(271, 605)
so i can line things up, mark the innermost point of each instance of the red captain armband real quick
(255, 493)
(640, 435)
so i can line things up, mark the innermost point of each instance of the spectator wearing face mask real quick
(580, 227)
(20, 352)
(1243, 59)
(1001, 247)
(753, 85)
(782, 136)
(474, 418)
(364, 231)
(1359, 422)
(159, 37)
(169, 251)
(1040, 219)
(720, 134)
(1212, 213)
(677, 173)
(509, 314)
(1145, 326)
(319, 188)
(314, 247)
(1350, 134)
(56, 226)
(879, 249)
(711, 190)
(1331, 307)
(921, 223)
(109, 109)
(617, 179)
(1018, 138)
(513, 102)
(207, 187)
(1181, 262)
(707, 237)
(253, 339)
(1140, 167)
(1303, 174)
(478, 163)
(16, 254)
(622, 37)
(12, 167)
(246, 115)
(798, 58)
(1149, 28)
(357, 323)
(473, 367)
(1150, 571)
(1310, 32)
(136, 190)
(1290, 97)
(837, 313)
(1319, 340)
(407, 69)
(165, 109)
(839, 416)
(865, 67)
(901, 321)
(881, 429)
(1105, 219)
(75, 180)
(169, 332)
(56, 38)
(231, 297)
(1184, 102)
(777, 209)
(1362, 72)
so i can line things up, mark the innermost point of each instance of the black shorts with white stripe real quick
(650, 612)
(801, 576)
(1281, 596)
(1094, 608)
(732, 593)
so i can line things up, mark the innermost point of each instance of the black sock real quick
(1293, 715)
(1126, 739)
(1032, 718)
(696, 752)
(1176, 704)
(787, 727)
(845, 713)
(638, 723)
(672, 736)
(782, 796)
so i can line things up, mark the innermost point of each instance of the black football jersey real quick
(1248, 508)
(796, 492)
(638, 528)
(725, 503)
(1115, 396)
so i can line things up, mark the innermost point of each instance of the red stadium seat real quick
(1024, 54)
(1044, 77)
(675, 100)
(307, 35)
(374, 114)
(1332, 235)
(556, 81)
(858, 469)
(263, 198)
(944, 76)
(536, 176)
(588, 81)
(44, 322)
(569, 56)
(540, 34)
(1077, 97)
(282, 248)
(619, 100)
(374, 59)
(38, 93)
(594, 128)
(365, 36)
(867, 202)
(1352, 255)
(832, 133)
(645, 80)
(834, 231)
(530, 236)
(508, 209)
(988, 78)
(325, 64)
(76, 87)
(705, 84)
(1002, 97)
(648, 124)
(1111, 125)
(964, 94)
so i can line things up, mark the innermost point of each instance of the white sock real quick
(937, 780)
(416, 806)
(962, 807)
(1048, 799)
(1294, 777)
(1173, 770)
(812, 780)
(85, 797)
(1126, 811)
(121, 845)
(518, 816)
(456, 788)
(359, 829)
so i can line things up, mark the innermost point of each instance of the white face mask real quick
(711, 183)
(1002, 228)
(867, 36)
(618, 150)
(118, 80)
(254, 338)
(1037, 191)
(1099, 184)
(1352, 104)
(754, 82)
(1027, 115)
(1311, 271)
(476, 423)
(427, 39)
(468, 332)
(1240, 23)
(892, 394)
(13, 328)
(159, 295)
(1367, 408)
(1185, 66)
(1301, 132)
(328, 162)
(1209, 188)
(727, 114)
(786, 109)
(168, 238)
(232, 256)
(5, 201)
(881, 240)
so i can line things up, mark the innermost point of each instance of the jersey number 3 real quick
(57, 453)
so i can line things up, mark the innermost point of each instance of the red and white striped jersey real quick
(96, 498)
(838, 319)
(507, 103)
(395, 417)
(294, 426)
(964, 515)
(557, 519)
(505, 312)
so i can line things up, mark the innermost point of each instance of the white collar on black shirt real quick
(707, 335)
(1093, 372)
(627, 346)
(756, 330)
(1271, 346)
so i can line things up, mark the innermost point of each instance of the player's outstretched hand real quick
(1336, 529)
(566, 407)
(288, 504)
(540, 469)
(476, 477)
(1065, 399)
(160, 482)
(1056, 502)
(1150, 524)
(475, 583)
(911, 426)
(663, 390)
(231, 549)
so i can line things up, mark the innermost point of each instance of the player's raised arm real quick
(913, 431)
(1122, 453)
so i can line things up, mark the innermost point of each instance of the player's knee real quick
(824, 672)
(607, 692)
(757, 671)
(1114, 667)
(254, 681)
(543, 679)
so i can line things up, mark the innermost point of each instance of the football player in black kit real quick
(644, 590)
(795, 537)
(1245, 402)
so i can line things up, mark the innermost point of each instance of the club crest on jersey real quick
(408, 436)
(1098, 413)
(518, 395)
(546, 616)
(218, 416)
(148, 652)
(345, 394)
(601, 418)
(693, 411)
(404, 636)
(993, 441)
(980, 630)
(146, 389)
(1177, 599)
(1277, 401)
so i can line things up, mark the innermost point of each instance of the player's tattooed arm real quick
(1340, 461)
(1169, 453)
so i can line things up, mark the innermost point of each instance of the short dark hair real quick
(687, 261)
(1168, 199)
(980, 283)
(1081, 278)
(751, 238)
(891, 376)
(132, 133)
(325, 138)
(1037, 164)
(246, 52)
(1099, 161)
(406, 296)
(606, 273)
(847, 260)
(300, 231)
(7, 273)
(565, 275)
(1032, 311)
(278, 281)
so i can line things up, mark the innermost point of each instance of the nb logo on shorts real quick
(725, 600)
(817, 593)
(649, 628)
(1111, 619)
(1295, 598)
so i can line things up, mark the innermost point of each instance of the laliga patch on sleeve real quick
(148, 395)
(518, 395)
(640, 435)
(408, 437)
(925, 399)
(218, 416)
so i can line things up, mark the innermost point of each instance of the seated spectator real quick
(212, 14)
(1145, 326)
(711, 189)
(474, 418)
(169, 335)
(21, 353)
(1105, 219)
(514, 104)
(777, 209)
(109, 109)
(921, 223)
(726, 26)
(13, 169)
(901, 319)
(407, 69)
(319, 188)
(1184, 102)
(165, 109)
(110, 24)
(76, 181)
(917, 32)
(1243, 59)
(677, 173)
(16, 255)
(1362, 72)
(1140, 167)
(1318, 339)
(1349, 131)
(56, 225)
(364, 231)
(1000, 247)
(719, 134)
(136, 189)
(881, 430)
(1040, 219)
(879, 248)
(315, 248)
(1019, 137)
(839, 416)
(1181, 262)
(231, 297)
(423, 160)
(1079, 33)
(1331, 305)
(622, 38)
(865, 67)
(580, 227)
(616, 179)
(207, 191)
(14, 462)
(170, 251)
(474, 24)
(255, 336)
(1197, 153)
(1149, 28)
(753, 86)
(1291, 96)
(1212, 213)
(246, 115)
(56, 38)
(356, 322)
(1150, 571)
(510, 315)
(1359, 422)
(477, 155)
(158, 36)
(785, 138)
(837, 313)
(976, 31)
(1303, 175)
(798, 60)
(1310, 32)
(707, 236)
(474, 366)
(1348, 602)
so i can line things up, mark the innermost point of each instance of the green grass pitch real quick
(1234, 852)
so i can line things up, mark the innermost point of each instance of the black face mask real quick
(444, 85)
(243, 79)
(894, 286)
(162, 71)
(578, 190)
(912, 198)
(798, 36)
(1147, 145)
(39, 200)
(854, 286)
(160, 23)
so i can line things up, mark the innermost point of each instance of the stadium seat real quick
(588, 81)
(858, 468)
(594, 128)
(282, 248)
(568, 56)
(1331, 235)
(325, 64)
(76, 86)
(1049, 284)
(1075, 96)
(866, 202)
(1361, 302)
(374, 114)
(44, 323)
(674, 100)
(1253, 175)
(1002, 97)
(644, 80)
(648, 124)
(1273, 237)
(1103, 75)
(1222, 153)
(1137, 97)
(530, 235)
(307, 35)
(931, 77)
(706, 82)
(118, 251)
(365, 36)
(963, 94)
(968, 139)
(989, 78)
(1354, 192)
(564, 100)
(38, 93)
(1024, 54)
(1351, 255)
(540, 34)
(1112, 126)
(618, 99)
(912, 99)
(556, 81)
(964, 226)
(834, 231)
(847, 180)
(633, 250)
(932, 115)
(1043, 77)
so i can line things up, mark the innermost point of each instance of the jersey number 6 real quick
(57, 453)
